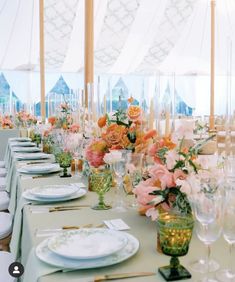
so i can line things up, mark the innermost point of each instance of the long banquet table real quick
(146, 259)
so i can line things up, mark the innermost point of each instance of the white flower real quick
(185, 186)
(112, 157)
(171, 158)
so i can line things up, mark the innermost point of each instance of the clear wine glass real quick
(135, 171)
(229, 169)
(208, 213)
(77, 155)
(119, 169)
(204, 212)
(228, 275)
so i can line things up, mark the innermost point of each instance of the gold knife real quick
(122, 276)
(45, 176)
(64, 209)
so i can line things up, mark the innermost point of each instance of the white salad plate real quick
(89, 243)
(50, 169)
(30, 197)
(54, 191)
(46, 255)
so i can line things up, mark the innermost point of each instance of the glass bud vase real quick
(175, 233)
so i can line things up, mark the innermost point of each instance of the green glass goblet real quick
(101, 182)
(64, 159)
(175, 232)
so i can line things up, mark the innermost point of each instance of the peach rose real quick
(134, 113)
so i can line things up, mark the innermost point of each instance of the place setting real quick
(39, 169)
(77, 249)
(54, 193)
(31, 156)
(22, 144)
(21, 149)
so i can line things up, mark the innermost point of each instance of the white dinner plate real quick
(31, 156)
(44, 254)
(87, 243)
(28, 196)
(26, 149)
(54, 191)
(40, 168)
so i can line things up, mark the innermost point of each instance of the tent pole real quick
(212, 88)
(42, 59)
(89, 47)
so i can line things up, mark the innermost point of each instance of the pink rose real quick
(142, 191)
(160, 172)
(179, 174)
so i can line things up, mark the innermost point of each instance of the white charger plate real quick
(54, 191)
(30, 197)
(44, 254)
(31, 156)
(89, 243)
(26, 149)
(53, 169)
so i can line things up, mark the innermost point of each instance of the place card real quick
(116, 224)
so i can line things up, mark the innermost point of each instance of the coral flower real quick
(102, 121)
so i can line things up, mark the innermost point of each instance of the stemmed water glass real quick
(119, 169)
(77, 155)
(230, 169)
(198, 202)
(228, 275)
(135, 171)
(208, 214)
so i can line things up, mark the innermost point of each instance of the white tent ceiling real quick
(131, 36)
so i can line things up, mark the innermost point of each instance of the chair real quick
(2, 183)
(4, 201)
(5, 260)
(3, 172)
(5, 230)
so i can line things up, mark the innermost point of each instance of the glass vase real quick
(175, 232)
(101, 182)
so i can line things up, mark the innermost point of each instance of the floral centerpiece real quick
(174, 176)
(6, 122)
(24, 119)
(125, 130)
